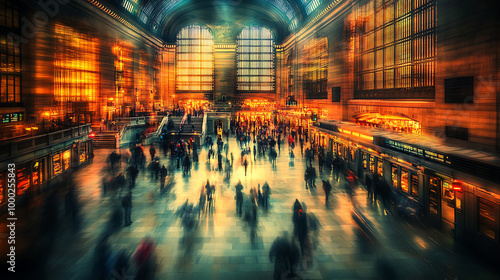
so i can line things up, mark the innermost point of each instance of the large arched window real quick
(255, 60)
(315, 68)
(195, 59)
(310, 5)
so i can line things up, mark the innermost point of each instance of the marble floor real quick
(221, 247)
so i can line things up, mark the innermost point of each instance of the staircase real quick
(186, 133)
(96, 126)
(198, 125)
(105, 140)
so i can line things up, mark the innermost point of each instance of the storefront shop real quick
(38, 173)
(442, 198)
(55, 153)
(372, 164)
(454, 192)
(299, 120)
(60, 162)
(23, 178)
(82, 152)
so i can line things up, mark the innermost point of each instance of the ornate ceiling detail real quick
(165, 17)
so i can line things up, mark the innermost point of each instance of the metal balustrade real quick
(9, 147)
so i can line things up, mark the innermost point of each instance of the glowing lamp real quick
(92, 135)
(457, 186)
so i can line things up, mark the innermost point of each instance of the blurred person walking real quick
(127, 206)
(266, 192)
(285, 256)
(327, 187)
(152, 152)
(163, 177)
(132, 173)
(239, 198)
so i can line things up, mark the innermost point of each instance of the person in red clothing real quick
(144, 259)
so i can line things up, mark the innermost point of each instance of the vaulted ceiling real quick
(166, 17)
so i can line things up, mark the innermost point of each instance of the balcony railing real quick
(9, 148)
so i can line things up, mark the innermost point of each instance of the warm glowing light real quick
(392, 122)
(76, 64)
(421, 242)
(366, 137)
(457, 186)
(194, 59)
(255, 60)
(315, 62)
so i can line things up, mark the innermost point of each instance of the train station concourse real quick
(249, 139)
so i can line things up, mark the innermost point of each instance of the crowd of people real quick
(154, 167)
(257, 140)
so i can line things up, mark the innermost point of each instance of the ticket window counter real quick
(340, 150)
(38, 173)
(60, 162)
(400, 178)
(357, 162)
(442, 201)
(394, 176)
(434, 187)
(372, 164)
(364, 164)
(415, 185)
(369, 164)
(23, 178)
(352, 155)
(448, 203)
(346, 153)
(404, 181)
(380, 168)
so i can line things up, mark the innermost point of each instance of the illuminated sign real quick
(415, 151)
(457, 186)
(356, 134)
(14, 117)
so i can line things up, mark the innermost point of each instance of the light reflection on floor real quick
(221, 248)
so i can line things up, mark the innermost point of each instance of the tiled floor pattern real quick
(222, 247)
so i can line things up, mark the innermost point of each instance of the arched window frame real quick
(255, 60)
(195, 60)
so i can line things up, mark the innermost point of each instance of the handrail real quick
(132, 120)
(204, 127)
(9, 148)
(164, 122)
(122, 131)
(21, 138)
